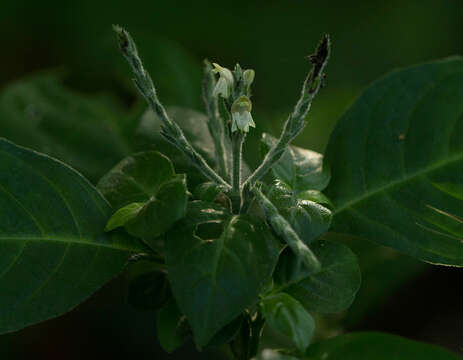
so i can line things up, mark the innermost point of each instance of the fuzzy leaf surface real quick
(217, 265)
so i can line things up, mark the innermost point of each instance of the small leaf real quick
(148, 180)
(172, 329)
(53, 250)
(123, 215)
(309, 219)
(208, 191)
(161, 212)
(136, 178)
(299, 168)
(330, 290)
(288, 317)
(217, 265)
(377, 346)
(315, 196)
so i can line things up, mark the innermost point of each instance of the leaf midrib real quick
(403, 180)
(68, 241)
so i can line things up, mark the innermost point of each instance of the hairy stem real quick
(237, 148)
(296, 121)
(284, 230)
(215, 122)
(170, 130)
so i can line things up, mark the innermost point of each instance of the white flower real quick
(225, 82)
(241, 115)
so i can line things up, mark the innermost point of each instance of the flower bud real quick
(225, 82)
(248, 77)
(241, 115)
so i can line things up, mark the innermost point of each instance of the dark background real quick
(370, 38)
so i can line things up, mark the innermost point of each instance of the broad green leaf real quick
(330, 290)
(217, 265)
(155, 195)
(377, 346)
(288, 317)
(397, 151)
(309, 219)
(53, 250)
(82, 131)
(299, 168)
(171, 326)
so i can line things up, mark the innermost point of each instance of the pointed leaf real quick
(288, 317)
(396, 151)
(330, 290)
(53, 250)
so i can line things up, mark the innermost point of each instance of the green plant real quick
(219, 250)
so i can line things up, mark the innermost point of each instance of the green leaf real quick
(315, 196)
(309, 219)
(330, 290)
(299, 168)
(160, 212)
(53, 250)
(156, 197)
(136, 178)
(123, 215)
(172, 329)
(287, 316)
(396, 151)
(377, 346)
(217, 265)
(84, 132)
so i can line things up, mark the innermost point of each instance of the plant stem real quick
(237, 150)
(285, 231)
(296, 121)
(169, 129)
(215, 122)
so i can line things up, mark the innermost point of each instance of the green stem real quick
(296, 121)
(215, 123)
(237, 149)
(170, 130)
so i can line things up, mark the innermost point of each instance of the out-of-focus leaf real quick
(377, 346)
(80, 130)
